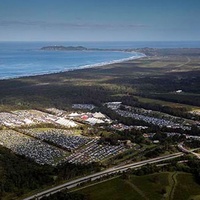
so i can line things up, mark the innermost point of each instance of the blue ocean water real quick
(25, 58)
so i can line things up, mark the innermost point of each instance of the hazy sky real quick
(99, 20)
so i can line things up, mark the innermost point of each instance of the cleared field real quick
(167, 103)
(153, 186)
(167, 185)
(114, 189)
(134, 188)
(186, 188)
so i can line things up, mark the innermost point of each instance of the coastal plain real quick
(157, 76)
(144, 107)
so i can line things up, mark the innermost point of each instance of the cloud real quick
(67, 25)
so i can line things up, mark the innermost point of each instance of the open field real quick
(145, 187)
(167, 103)
(168, 186)
(186, 188)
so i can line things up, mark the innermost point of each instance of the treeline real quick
(192, 144)
(192, 165)
(65, 196)
(176, 98)
(176, 111)
(120, 119)
(20, 175)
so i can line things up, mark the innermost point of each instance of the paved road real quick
(76, 182)
(183, 149)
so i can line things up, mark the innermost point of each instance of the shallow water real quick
(25, 58)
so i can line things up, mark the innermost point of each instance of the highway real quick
(116, 169)
(183, 149)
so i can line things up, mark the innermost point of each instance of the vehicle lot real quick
(66, 139)
(95, 152)
(49, 145)
(151, 117)
(40, 152)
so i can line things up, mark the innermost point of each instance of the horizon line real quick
(99, 41)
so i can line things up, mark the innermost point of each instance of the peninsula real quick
(79, 48)
(63, 48)
(94, 122)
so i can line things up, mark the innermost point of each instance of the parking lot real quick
(95, 152)
(65, 139)
(40, 152)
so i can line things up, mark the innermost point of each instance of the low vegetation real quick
(153, 187)
(20, 175)
(167, 81)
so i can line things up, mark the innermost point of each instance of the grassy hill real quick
(167, 185)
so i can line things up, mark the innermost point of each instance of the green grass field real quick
(186, 188)
(168, 103)
(114, 189)
(158, 186)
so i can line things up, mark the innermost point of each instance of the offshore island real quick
(133, 125)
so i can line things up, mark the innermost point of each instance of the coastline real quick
(137, 56)
(114, 61)
(101, 83)
(140, 49)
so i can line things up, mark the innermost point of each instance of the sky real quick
(99, 20)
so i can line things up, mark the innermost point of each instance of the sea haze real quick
(19, 59)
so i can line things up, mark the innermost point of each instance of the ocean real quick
(18, 59)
